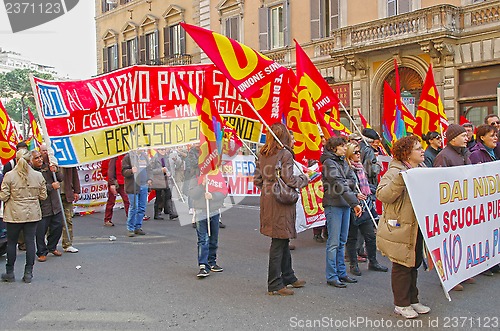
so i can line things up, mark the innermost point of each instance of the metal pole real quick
(62, 205)
(208, 206)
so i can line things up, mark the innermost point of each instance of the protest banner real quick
(94, 190)
(238, 173)
(310, 211)
(458, 212)
(131, 108)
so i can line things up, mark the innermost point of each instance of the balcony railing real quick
(177, 60)
(433, 22)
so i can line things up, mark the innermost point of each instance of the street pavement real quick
(149, 283)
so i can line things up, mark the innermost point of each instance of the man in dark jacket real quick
(455, 153)
(369, 152)
(160, 169)
(52, 218)
(136, 171)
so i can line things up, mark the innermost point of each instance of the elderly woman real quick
(277, 220)
(338, 198)
(398, 236)
(22, 189)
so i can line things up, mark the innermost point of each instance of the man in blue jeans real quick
(207, 245)
(137, 174)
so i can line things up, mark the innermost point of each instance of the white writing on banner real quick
(458, 211)
(238, 173)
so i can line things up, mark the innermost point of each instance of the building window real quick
(131, 51)
(396, 7)
(152, 48)
(110, 58)
(232, 27)
(273, 26)
(107, 5)
(176, 39)
(276, 25)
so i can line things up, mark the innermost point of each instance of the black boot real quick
(28, 274)
(9, 275)
(157, 214)
(355, 270)
(375, 266)
(170, 209)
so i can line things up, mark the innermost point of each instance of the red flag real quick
(8, 137)
(430, 111)
(256, 77)
(463, 120)
(364, 122)
(406, 115)
(323, 97)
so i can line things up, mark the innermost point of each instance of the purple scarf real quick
(363, 181)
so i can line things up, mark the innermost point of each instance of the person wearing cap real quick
(369, 153)
(455, 154)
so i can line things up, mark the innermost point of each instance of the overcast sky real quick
(66, 43)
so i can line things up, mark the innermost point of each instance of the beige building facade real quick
(352, 42)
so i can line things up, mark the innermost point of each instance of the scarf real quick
(490, 152)
(363, 180)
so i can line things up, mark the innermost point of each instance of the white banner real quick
(238, 173)
(458, 211)
(94, 190)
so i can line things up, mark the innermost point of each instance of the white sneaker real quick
(420, 308)
(71, 249)
(191, 211)
(406, 312)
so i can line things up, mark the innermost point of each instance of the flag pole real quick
(267, 127)
(367, 208)
(208, 205)
(352, 121)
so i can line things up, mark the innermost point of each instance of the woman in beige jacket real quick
(398, 235)
(21, 190)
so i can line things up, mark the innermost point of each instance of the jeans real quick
(54, 224)
(337, 223)
(207, 246)
(137, 208)
(280, 272)
(13, 230)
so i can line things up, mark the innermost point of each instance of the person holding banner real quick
(277, 220)
(485, 151)
(21, 191)
(211, 187)
(160, 171)
(398, 235)
(136, 170)
(339, 197)
(364, 223)
(112, 170)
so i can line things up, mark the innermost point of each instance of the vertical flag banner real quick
(256, 77)
(430, 111)
(363, 120)
(8, 137)
(406, 115)
(37, 135)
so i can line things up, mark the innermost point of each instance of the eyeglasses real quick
(438, 137)
(495, 123)
(357, 152)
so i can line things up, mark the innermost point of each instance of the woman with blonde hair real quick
(21, 190)
(277, 220)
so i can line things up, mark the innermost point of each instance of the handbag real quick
(283, 193)
(365, 216)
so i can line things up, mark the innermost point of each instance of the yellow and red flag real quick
(364, 122)
(324, 99)
(36, 139)
(8, 137)
(259, 79)
(406, 115)
(430, 111)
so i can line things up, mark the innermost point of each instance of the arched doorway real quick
(412, 71)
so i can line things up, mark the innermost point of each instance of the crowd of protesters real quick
(38, 201)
